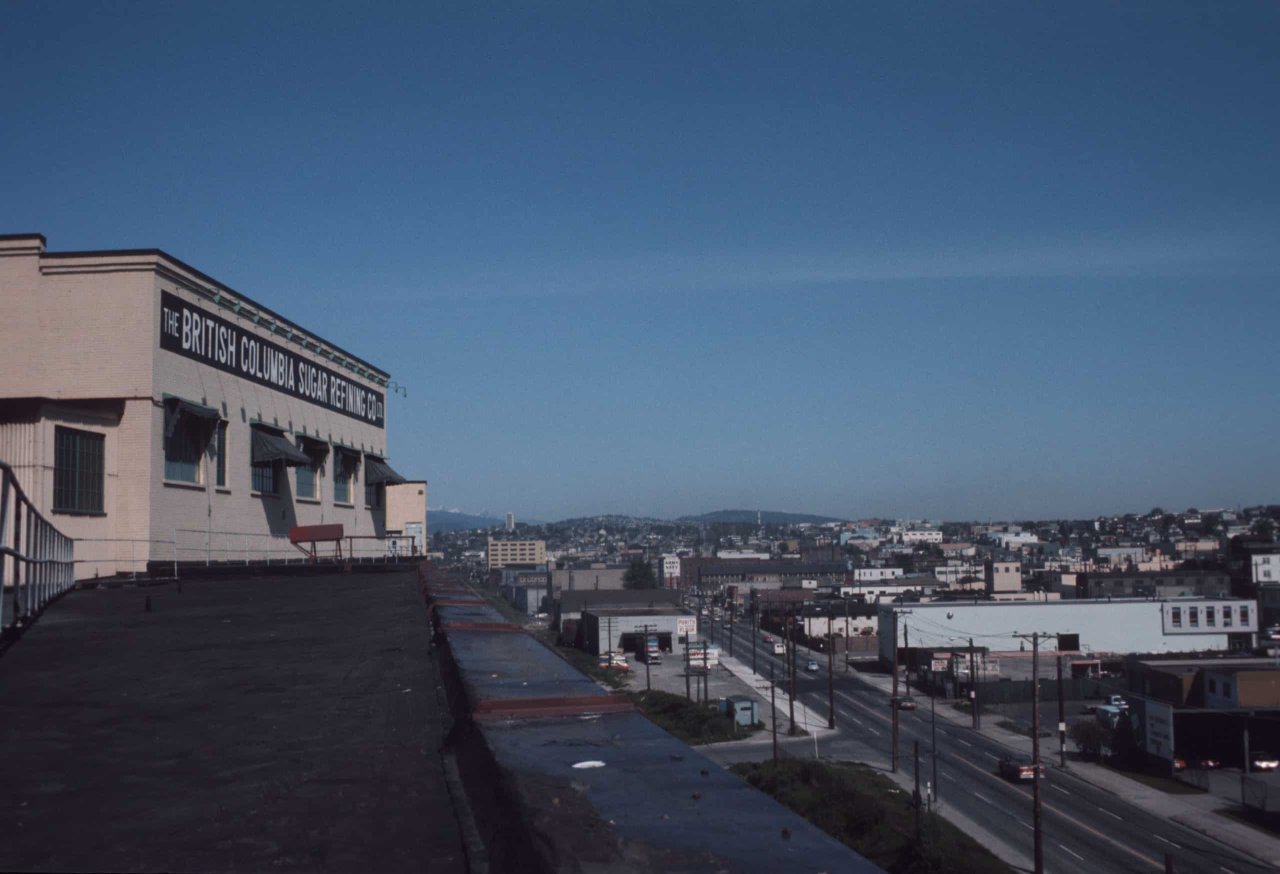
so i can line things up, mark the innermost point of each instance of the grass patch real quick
(693, 723)
(590, 666)
(867, 812)
(1019, 728)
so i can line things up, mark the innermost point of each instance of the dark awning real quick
(269, 447)
(315, 447)
(176, 408)
(377, 471)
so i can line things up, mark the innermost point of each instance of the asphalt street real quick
(1085, 829)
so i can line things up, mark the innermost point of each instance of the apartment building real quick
(501, 553)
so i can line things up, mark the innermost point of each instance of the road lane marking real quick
(948, 776)
(1167, 841)
(1072, 852)
(1025, 825)
(1225, 868)
(1060, 789)
(983, 797)
(1109, 813)
(994, 756)
(963, 741)
(1157, 865)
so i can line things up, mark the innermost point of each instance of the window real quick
(1244, 614)
(266, 478)
(77, 471)
(220, 455)
(1213, 686)
(1210, 617)
(344, 468)
(1176, 615)
(309, 474)
(184, 444)
(1226, 617)
(1193, 616)
(373, 495)
(1226, 688)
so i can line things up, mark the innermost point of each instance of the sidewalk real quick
(807, 720)
(1196, 812)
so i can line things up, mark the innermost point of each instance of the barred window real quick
(307, 474)
(265, 479)
(183, 447)
(220, 455)
(78, 470)
(344, 468)
(373, 495)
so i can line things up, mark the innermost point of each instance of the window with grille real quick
(183, 447)
(308, 475)
(78, 471)
(220, 455)
(343, 470)
(373, 495)
(265, 478)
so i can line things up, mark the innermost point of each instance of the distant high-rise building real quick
(511, 521)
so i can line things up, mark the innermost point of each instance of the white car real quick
(812, 666)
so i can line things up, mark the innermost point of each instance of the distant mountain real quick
(748, 517)
(456, 520)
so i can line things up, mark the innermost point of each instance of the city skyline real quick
(913, 262)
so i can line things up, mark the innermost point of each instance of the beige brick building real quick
(154, 413)
(507, 552)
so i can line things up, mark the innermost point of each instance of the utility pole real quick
(915, 797)
(1035, 753)
(1062, 717)
(688, 693)
(791, 650)
(731, 608)
(933, 720)
(644, 641)
(893, 702)
(831, 677)
(755, 631)
(846, 635)
(974, 704)
(773, 702)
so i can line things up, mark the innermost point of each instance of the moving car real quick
(906, 702)
(812, 665)
(1205, 763)
(1118, 701)
(1261, 761)
(1018, 770)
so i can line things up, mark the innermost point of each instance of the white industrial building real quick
(1135, 625)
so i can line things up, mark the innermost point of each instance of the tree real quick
(1090, 736)
(639, 575)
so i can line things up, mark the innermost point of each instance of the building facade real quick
(1095, 626)
(154, 414)
(506, 552)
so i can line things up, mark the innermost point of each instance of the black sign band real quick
(193, 333)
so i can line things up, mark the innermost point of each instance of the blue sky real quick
(927, 260)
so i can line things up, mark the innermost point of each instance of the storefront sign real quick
(212, 340)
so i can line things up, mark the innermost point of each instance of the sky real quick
(918, 260)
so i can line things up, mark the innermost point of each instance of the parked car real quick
(1261, 761)
(811, 665)
(906, 702)
(768, 638)
(1118, 701)
(1018, 770)
(1179, 763)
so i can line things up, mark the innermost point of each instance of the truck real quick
(779, 648)
(652, 653)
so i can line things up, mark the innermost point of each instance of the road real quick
(1085, 829)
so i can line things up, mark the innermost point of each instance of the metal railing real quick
(37, 561)
(243, 547)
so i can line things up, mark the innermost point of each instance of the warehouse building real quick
(1116, 626)
(154, 414)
